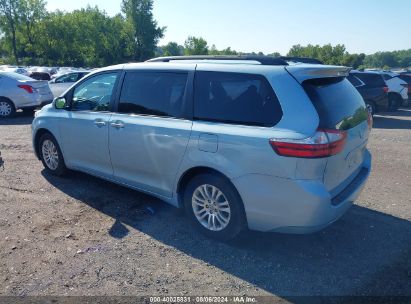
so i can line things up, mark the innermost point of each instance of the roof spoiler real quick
(306, 72)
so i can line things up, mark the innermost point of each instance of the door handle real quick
(117, 124)
(100, 123)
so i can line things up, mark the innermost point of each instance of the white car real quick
(397, 88)
(21, 92)
(62, 83)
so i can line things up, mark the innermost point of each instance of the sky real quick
(363, 26)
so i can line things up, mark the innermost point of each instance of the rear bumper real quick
(295, 206)
(34, 100)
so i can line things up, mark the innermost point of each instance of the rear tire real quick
(51, 155)
(214, 207)
(7, 108)
(371, 107)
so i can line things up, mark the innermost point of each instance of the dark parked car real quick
(40, 76)
(373, 90)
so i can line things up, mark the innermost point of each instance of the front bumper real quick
(295, 206)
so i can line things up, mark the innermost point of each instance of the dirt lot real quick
(82, 236)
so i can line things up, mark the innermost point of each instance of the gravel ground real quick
(79, 235)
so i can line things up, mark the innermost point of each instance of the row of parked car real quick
(28, 89)
(381, 90)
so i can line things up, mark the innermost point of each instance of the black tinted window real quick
(153, 93)
(338, 103)
(371, 79)
(406, 78)
(235, 98)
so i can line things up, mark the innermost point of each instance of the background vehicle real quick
(18, 70)
(60, 84)
(21, 92)
(375, 79)
(407, 78)
(397, 88)
(190, 133)
(372, 89)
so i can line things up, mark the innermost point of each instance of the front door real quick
(84, 131)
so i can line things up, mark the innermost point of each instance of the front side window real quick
(235, 98)
(153, 93)
(95, 93)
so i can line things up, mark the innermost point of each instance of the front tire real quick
(394, 102)
(214, 207)
(51, 155)
(7, 108)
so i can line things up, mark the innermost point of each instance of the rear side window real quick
(371, 79)
(338, 103)
(235, 98)
(153, 93)
(354, 80)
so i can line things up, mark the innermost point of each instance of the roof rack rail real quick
(263, 60)
(301, 59)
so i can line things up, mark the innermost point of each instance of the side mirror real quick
(60, 103)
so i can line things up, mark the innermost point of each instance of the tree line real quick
(29, 35)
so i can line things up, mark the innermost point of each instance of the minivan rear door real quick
(340, 107)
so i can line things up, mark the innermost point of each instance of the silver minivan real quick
(238, 142)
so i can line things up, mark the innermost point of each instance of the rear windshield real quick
(370, 79)
(338, 103)
(17, 76)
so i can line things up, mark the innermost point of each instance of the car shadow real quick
(364, 253)
(20, 118)
(393, 120)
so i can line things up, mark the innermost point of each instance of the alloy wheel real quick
(211, 207)
(5, 109)
(50, 154)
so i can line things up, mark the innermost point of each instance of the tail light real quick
(386, 89)
(407, 86)
(323, 143)
(27, 88)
